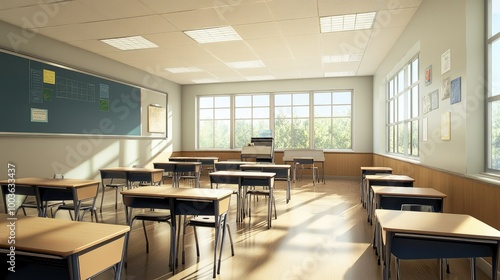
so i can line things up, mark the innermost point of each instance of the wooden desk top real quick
(54, 236)
(236, 162)
(181, 193)
(438, 224)
(49, 182)
(180, 162)
(195, 157)
(263, 165)
(247, 174)
(131, 169)
(399, 191)
(375, 168)
(389, 177)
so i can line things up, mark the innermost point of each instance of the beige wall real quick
(436, 27)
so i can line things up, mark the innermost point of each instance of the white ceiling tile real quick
(299, 26)
(246, 13)
(293, 9)
(283, 34)
(258, 30)
(196, 19)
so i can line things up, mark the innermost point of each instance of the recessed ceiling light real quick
(189, 69)
(212, 35)
(339, 74)
(245, 64)
(341, 58)
(130, 43)
(347, 22)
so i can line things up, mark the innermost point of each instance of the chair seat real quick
(83, 208)
(153, 216)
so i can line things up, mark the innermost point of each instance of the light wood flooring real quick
(322, 233)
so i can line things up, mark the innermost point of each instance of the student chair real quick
(84, 207)
(264, 191)
(107, 181)
(305, 163)
(30, 202)
(151, 216)
(209, 222)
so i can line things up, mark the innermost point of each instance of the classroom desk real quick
(45, 189)
(244, 179)
(180, 201)
(179, 167)
(384, 180)
(60, 248)
(137, 174)
(391, 198)
(231, 165)
(430, 235)
(370, 170)
(206, 162)
(282, 173)
(317, 158)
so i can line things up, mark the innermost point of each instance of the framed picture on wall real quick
(445, 88)
(428, 75)
(446, 126)
(456, 90)
(446, 61)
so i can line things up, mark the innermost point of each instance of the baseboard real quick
(485, 267)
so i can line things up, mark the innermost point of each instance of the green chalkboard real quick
(37, 97)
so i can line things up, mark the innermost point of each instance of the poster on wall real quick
(428, 75)
(446, 126)
(445, 88)
(446, 61)
(456, 90)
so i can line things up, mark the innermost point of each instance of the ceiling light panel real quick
(347, 22)
(213, 35)
(130, 43)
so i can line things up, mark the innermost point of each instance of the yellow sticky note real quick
(49, 77)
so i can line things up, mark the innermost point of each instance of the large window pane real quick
(495, 135)
(342, 137)
(493, 99)
(495, 68)
(323, 133)
(495, 17)
(403, 110)
(214, 122)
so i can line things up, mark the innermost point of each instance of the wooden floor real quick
(322, 233)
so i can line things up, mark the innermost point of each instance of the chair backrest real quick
(417, 207)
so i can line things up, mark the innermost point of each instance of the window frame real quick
(272, 116)
(401, 119)
(493, 92)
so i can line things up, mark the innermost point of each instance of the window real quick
(251, 115)
(493, 99)
(291, 120)
(332, 120)
(403, 111)
(298, 119)
(214, 115)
